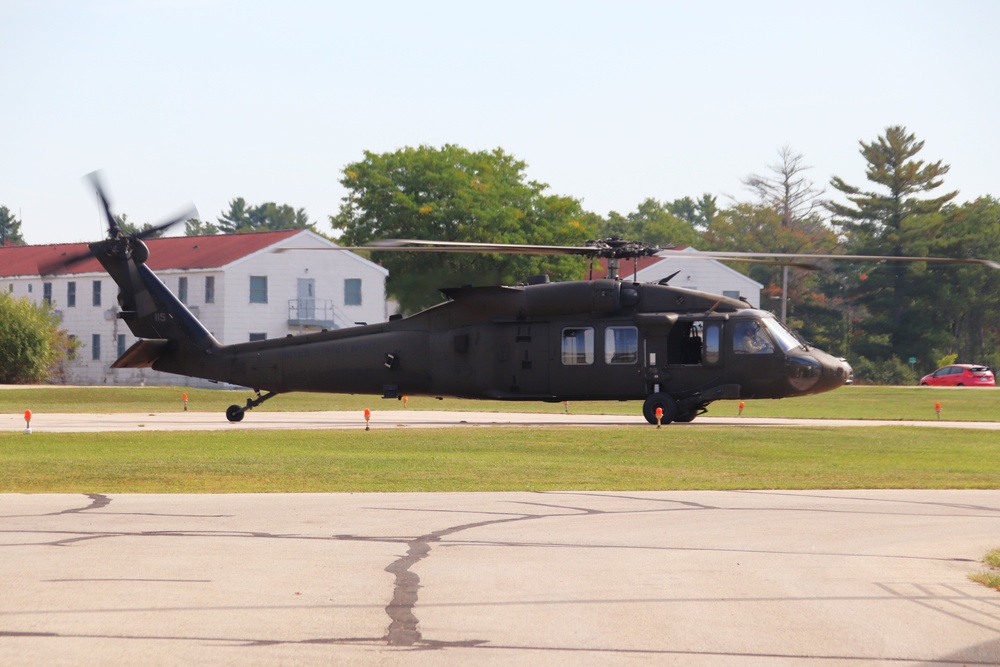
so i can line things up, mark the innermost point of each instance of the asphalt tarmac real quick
(261, 419)
(862, 577)
(666, 578)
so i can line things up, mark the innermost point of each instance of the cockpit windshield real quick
(786, 339)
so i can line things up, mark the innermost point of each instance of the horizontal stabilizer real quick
(142, 354)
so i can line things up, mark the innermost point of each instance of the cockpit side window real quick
(750, 337)
(786, 339)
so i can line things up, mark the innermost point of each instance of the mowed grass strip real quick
(499, 459)
(854, 402)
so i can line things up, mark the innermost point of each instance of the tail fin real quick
(149, 309)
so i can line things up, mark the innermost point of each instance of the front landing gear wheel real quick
(234, 413)
(662, 401)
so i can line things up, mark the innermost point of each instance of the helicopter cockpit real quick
(758, 335)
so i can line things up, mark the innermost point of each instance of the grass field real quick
(500, 459)
(902, 403)
(503, 458)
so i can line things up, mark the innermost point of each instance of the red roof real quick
(175, 252)
(626, 266)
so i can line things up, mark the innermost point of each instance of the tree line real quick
(878, 315)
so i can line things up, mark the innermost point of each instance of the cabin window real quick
(182, 289)
(352, 291)
(713, 342)
(209, 289)
(749, 337)
(621, 345)
(97, 293)
(258, 289)
(578, 346)
(71, 294)
(95, 347)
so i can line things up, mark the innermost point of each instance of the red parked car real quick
(960, 375)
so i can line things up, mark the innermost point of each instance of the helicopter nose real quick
(818, 372)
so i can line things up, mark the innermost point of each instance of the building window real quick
(621, 345)
(121, 344)
(182, 289)
(732, 294)
(95, 347)
(29, 288)
(258, 336)
(209, 289)
(71, 294)
(47, 293)
(97, 292)
(258, 289)
(578, 346)
(352, 292)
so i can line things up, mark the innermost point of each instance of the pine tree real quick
(894, 221)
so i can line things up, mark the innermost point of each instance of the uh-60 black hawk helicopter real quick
(601, 339)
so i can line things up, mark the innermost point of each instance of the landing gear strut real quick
(235, 413)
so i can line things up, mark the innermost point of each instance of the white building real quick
(241, 286)
(706, 275)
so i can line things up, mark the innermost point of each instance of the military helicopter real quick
(676, 349)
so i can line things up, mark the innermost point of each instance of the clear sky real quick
(202, 101)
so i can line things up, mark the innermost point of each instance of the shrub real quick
(893, 371)
(32, 347)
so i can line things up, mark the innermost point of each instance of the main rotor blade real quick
(462, 246)
(625, 251)
(789, 258)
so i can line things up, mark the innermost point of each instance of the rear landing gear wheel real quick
(234, 413)
(662, 401)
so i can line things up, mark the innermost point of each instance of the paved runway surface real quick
(677, 578)
(202, 421)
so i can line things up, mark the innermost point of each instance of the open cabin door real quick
(687, 356)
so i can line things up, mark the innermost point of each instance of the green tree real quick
(968, 305)
(786, 217)
(699, 214)
(895, 220)
(264, 217)
(197, 227)
(133, 228)
(10, 228)
(453, 194)
(32, 346)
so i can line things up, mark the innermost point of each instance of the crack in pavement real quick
(403, 630)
